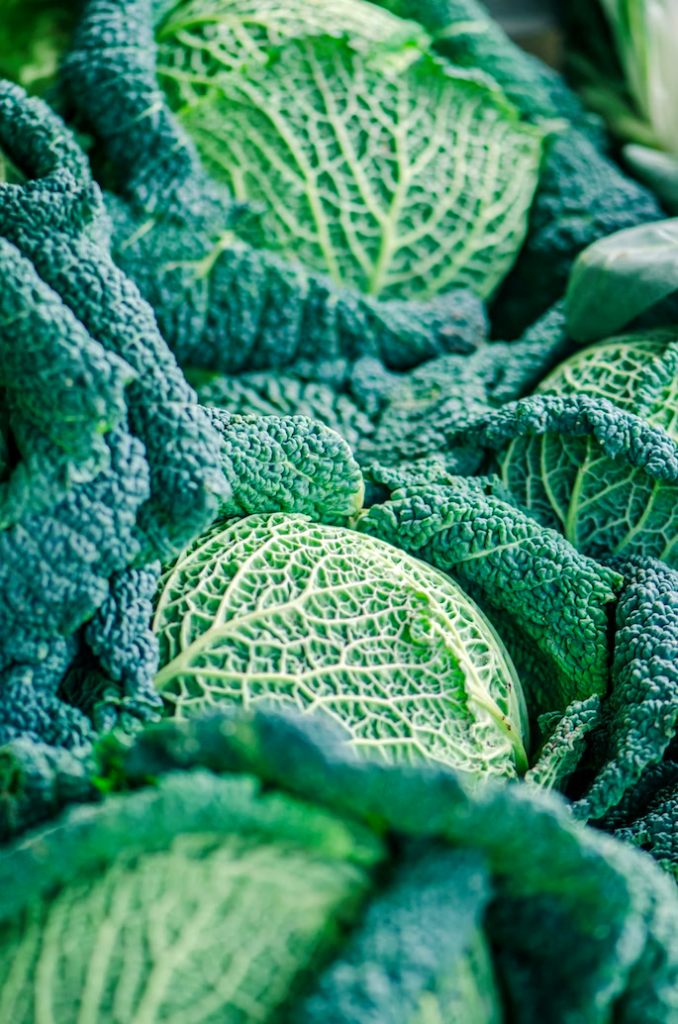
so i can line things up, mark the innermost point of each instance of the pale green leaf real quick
(638, 372)
(588, 487)
(619, 277)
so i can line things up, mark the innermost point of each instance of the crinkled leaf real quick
(267, 394)
(553, 594)
(287, 464)
(280, 609)
(61, 391)
(619, 277)
(642, 711)
(656, 829)
(637, 798)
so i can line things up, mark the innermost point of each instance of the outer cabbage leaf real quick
(420, 954)
(57, 221)
(281, 609)
(286, 394)
(638, 798)
(469, 36)
(642, 712)
(112, 677)
(287, 464)
(83, 368)
(546, 590)
(54, 571)
(396, 178)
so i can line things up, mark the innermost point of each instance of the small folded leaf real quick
(564, 748)
(606, 478)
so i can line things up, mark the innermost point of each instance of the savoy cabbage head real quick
(371, 160)
(280, 609)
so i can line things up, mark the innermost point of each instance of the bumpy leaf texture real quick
(565, 744)
(107, 456)
(389, 169)
(55, 222)
(221, 304)
(642, 711)
(290, 394)
(542, 588)
(62, 392)
(399, 423)
(416, 413)
(280, 609)
(655, 828)
(287, 464)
